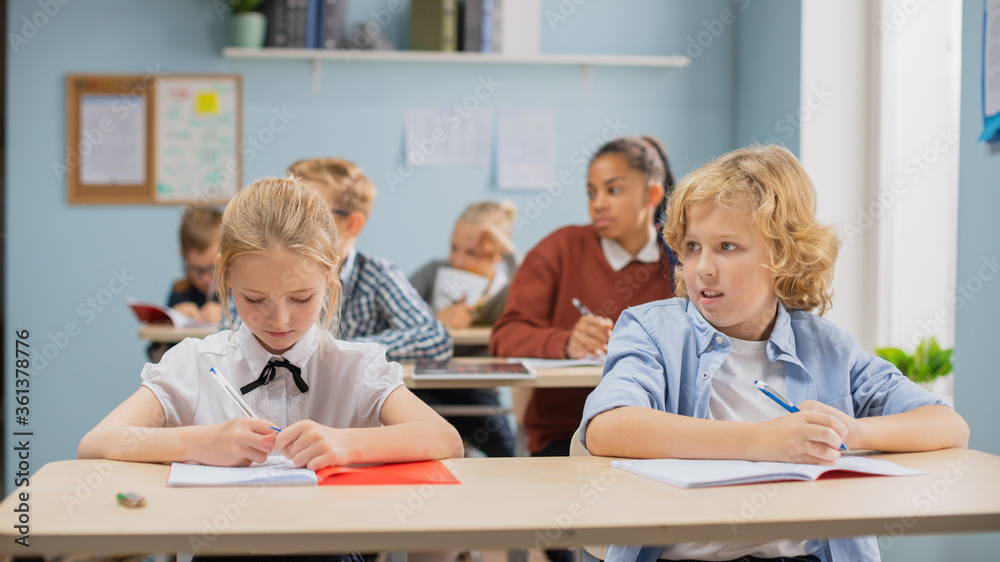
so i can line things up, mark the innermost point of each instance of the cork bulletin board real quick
(144, 139)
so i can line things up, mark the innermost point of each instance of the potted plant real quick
(247, 28)
(926, 365)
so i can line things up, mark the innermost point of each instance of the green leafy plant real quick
(927, 362)
(243, 6)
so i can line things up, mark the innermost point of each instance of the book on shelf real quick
(152, 313)
(280, 471)
(434, 25)
(427, 369)
(697, 473)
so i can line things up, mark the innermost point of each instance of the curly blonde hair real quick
(342, 182)
(770, 183)
(280, 214)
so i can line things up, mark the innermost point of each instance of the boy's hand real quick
(188, 309)
(812, 437)
(589, 337)
(458, 315)
(855, 427)
(237, 442)
(211, 312)
(313, 445)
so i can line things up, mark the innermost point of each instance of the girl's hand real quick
(589, 337)
(458, 315)
(491, 232)
(237, 442)
(313, 445)
(812, 437)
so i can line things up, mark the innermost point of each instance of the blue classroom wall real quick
(977, 380)
(769, 43)
(70, 268)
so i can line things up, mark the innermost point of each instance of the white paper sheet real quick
(526, 148)
(112, 143)
(991, 59)
(439, 136)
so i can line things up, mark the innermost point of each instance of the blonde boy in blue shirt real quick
(679, 378)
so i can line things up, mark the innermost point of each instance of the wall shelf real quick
(585, 62)
(348, 55)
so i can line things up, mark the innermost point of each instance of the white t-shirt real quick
(348, 382)
(735, 398)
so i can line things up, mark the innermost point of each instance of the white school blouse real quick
(348, 382)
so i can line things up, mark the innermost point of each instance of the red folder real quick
(424, 472)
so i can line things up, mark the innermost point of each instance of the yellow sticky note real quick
(206, 102)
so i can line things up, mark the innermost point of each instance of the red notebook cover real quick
(423, 472)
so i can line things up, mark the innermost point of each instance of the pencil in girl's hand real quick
(231, 392)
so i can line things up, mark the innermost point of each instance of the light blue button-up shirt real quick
(663, 355)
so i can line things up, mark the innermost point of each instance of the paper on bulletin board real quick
(526, 148)
(991, 72)
(440, 136)
(112, 144)
(196, 136)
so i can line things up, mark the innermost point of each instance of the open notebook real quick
(152, 313)
(692, 473)
(279, 471)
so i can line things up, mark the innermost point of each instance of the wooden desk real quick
(566, 377)
(476, 335)
(479, 335)
(163, 333)
(537, 503)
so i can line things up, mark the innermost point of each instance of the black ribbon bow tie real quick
(267, 375)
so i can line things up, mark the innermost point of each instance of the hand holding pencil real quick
(590, 334)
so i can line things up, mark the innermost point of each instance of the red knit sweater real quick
(540, 315)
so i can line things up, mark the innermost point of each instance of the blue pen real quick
(581, 307)
(782, 401)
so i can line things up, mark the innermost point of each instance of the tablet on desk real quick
(426, 369)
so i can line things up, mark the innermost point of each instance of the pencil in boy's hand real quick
(231, 392)
(782, 401)
(581, 307)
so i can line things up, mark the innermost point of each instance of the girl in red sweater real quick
(612, 263)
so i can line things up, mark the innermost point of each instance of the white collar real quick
(348, 267)
(618, 257)
(257, 357)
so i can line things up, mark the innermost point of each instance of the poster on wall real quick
(991, 72)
